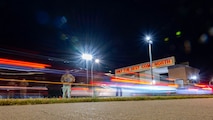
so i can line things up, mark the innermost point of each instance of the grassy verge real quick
(4, 102)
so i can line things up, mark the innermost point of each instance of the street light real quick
(149, 40)
(194, 79)
(87, 57)
(96, 61)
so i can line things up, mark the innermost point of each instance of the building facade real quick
(163, 69)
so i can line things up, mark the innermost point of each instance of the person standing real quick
(23, 91)
(67, 79)
(11, 90)
(118, 90)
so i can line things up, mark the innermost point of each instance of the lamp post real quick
(96, 61)
(87, 57)
(148, 39)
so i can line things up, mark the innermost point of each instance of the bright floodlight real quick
(194, 77)
(148, 39)
(87, 56)
(97, 60)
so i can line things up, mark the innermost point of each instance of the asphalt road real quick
(185, 109)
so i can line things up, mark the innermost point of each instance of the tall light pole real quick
(149, 40)
(96, 61)
(87, 57)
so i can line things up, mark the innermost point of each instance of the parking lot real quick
(185, 109)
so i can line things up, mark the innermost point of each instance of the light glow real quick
(97, 60)
(193, 77)
(148, 39)
(87, 56)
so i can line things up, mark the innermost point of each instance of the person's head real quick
(67, 71)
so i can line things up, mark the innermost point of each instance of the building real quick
(163, 70)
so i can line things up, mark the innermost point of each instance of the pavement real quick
(182, 109)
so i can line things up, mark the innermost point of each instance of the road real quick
(185, 109)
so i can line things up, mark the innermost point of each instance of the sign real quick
(146, 66)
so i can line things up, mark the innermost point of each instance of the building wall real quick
(183, 72)
(178, 73)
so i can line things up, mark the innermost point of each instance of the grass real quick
(4, 102)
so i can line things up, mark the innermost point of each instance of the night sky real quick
(59, 31)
